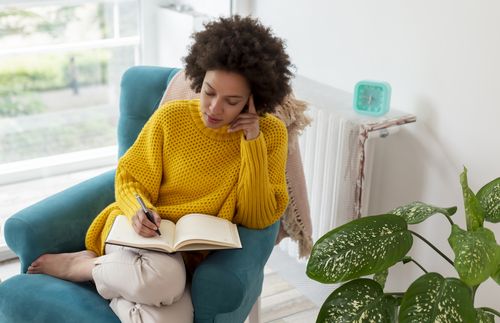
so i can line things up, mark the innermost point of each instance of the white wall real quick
(166, 33)
(149, 31)
(442, 59)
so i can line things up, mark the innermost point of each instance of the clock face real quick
(372, 98)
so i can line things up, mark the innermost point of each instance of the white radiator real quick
(337, 156)
(327, 155)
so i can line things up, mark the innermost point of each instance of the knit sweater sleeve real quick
(262, 189)
(140, 169)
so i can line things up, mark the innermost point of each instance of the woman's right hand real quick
(143, 226)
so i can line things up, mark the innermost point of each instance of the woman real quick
(222, 155)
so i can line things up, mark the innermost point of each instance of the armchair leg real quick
(254, 316)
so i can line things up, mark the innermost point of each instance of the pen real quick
(146, 211)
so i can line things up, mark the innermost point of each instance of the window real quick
(60, 68)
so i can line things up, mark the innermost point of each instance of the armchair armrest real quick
(226, 285)
(58, 223)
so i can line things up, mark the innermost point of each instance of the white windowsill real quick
(57, 164)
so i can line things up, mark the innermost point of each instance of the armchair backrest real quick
(142, 88)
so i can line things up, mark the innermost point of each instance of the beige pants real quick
(144, 286)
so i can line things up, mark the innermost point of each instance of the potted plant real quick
(371, 245)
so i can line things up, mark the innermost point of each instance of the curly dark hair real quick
(243, 46)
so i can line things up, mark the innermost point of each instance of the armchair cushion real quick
(141, 91)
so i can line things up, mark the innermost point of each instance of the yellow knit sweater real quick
(179, 166)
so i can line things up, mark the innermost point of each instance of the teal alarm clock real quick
(372, 97)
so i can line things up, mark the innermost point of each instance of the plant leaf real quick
(361, 247)
(360, 300)
(432, 298)
(477, 254)
(417, 212)
(381, 277)
(474, 213)
(496, 275)
(484, 317)
(489, 198)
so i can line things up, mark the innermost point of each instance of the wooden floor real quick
(280, 301)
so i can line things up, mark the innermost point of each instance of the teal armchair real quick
(224, 288)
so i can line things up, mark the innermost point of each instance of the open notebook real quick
(191, 232)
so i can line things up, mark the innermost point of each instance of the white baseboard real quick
(6, 254)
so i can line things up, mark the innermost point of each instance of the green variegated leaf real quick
(484, 317)
(477, 254)
(417, 212)
(432, 298)
(360, 300)
(489, 198)
(359, 248)
(381, 277)
(474, 213)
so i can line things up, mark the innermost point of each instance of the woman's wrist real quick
(252, 136)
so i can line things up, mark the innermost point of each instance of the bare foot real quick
(75, 266)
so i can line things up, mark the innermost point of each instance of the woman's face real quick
(224, 95)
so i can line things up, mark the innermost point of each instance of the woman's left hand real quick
(247, 121)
